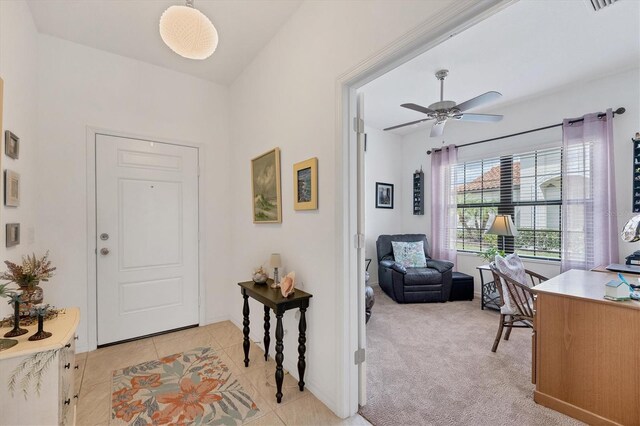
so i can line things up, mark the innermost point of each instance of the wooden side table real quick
(273, 299)
(490, 298)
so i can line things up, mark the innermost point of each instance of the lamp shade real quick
(276, 262)
(188, 32)
(502, 225)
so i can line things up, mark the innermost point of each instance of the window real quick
(526, 186)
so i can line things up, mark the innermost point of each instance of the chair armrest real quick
(393, 265)
(439, 265)
(534, 274)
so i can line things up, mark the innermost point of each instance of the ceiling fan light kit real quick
(188, 32)
(442, 111)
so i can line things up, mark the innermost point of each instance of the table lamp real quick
(276, 263)
(502, 225)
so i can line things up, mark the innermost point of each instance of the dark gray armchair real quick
(412, 285)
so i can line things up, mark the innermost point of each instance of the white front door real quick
(147, 237)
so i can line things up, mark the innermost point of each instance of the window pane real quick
(535, 182)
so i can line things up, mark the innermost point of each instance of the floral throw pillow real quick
(409, 255)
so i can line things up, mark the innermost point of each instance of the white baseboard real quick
(213, 320)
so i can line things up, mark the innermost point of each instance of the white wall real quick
(18, 69)
(79, 87)
(287, 98)
(620, 89)
(382, 163)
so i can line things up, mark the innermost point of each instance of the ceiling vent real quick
(597, 5)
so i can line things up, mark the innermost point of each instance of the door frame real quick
(92, 255)
(455, 19)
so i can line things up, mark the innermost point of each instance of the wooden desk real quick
(272, 299)
(586, 350)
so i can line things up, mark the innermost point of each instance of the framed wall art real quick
(11, 188)
(265, 187)
(305, 185)
(384, 195)
(13, 234)
(11, 144)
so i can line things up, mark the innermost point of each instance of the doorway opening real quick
(533, 96)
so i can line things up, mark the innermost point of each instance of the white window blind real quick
(527, 186)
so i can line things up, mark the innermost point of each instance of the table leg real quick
(245, 329)
(302, 340)
(267, 338)
(279, 356)
(481, 291)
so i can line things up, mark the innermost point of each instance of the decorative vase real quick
(17, 331)
(40, 334)
(31, 296)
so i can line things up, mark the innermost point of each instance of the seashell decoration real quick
(287, 286)
(259, 275)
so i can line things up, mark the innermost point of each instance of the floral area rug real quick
(189, 388)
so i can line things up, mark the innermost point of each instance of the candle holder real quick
(40, 311)
(17, 331)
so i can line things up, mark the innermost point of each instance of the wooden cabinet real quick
(50, 395)
(586, 350)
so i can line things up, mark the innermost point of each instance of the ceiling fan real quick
(446, 110)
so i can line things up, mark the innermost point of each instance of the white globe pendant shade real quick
(188, 32)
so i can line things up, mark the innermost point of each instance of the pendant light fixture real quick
(188, 32)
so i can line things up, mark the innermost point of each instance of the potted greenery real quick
(490, 254)
(27, 276)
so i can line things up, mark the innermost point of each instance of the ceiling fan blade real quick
(483, 118)
(437, 129)
(408, 124)
(479, 100)
(418, 108)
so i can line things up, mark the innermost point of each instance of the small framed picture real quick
(384, 195)
(11, 144)
(11, 188)
(305, 185)
(13, 234)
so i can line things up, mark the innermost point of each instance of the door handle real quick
(104, 251)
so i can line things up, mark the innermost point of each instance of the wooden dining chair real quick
(517, 301)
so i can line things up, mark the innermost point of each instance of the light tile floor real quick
(93, 377)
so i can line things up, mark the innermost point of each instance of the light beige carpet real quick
(431, 364)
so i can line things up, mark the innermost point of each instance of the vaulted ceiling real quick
(130, 28)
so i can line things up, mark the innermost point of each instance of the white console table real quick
(56, 402)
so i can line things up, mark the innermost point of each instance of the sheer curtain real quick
(443, 204)
(589, 224)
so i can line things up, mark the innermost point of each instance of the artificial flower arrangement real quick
(30, 272)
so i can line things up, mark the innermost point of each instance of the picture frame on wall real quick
(265, 187)
(12, 234)
(11, 144)
(305, 185)
(384, 195)
(11, 188)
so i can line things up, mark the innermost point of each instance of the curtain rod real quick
(619, 111)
